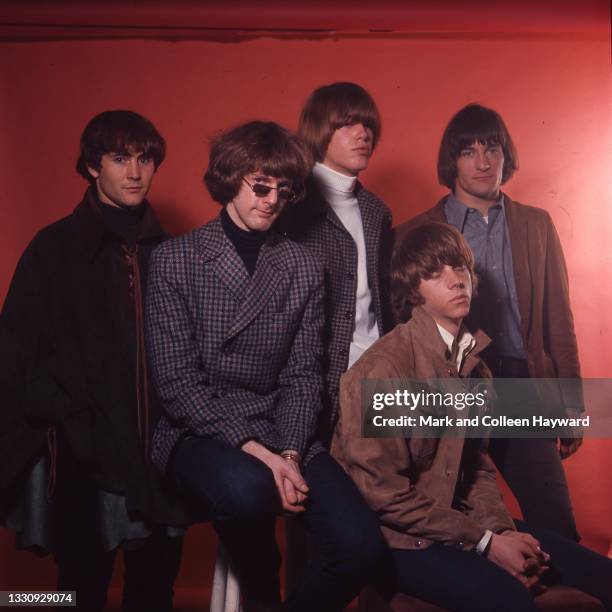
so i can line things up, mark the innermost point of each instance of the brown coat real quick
(413, 483)
(540, 273)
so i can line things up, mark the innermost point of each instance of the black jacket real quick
(68, 361)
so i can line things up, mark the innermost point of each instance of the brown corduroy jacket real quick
(423, 490)
(540, 274)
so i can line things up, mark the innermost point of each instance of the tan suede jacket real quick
(423, 490)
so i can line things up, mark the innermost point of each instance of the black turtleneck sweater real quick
(247, 243)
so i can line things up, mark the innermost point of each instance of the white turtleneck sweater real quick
(339, 192)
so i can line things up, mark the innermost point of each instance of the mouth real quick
(266, 213)
(362, 150)
(461, 299)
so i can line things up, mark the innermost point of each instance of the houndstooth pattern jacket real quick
(314, 224)
(235, 357)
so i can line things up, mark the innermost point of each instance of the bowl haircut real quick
(474, 123)
(334, 106)
(257, 146)
(121, 132)
(422, 253)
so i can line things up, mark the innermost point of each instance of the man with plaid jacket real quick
(346, 226)
(235, 315)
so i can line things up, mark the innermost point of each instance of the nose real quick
(482, 160)
(456, 280)
(133, 168)
(272, 198)
(361, 132)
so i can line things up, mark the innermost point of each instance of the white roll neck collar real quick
(336, 188)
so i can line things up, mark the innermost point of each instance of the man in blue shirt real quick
(523, 299)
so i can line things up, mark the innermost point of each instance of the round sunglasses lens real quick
(261, 190)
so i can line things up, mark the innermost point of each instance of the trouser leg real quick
(83, 564)
(532, 468)
(347, 538)
(458, 580)
(239, 495)
(150, 572)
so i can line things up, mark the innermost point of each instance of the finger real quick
(531, 566)
(290, 493)
(296, 478)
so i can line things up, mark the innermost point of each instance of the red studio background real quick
(194, 68)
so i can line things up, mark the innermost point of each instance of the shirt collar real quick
(457, 347)
(456, 211)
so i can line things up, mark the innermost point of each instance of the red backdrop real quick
(194, 68)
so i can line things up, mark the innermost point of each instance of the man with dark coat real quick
(522, 302)
(79, 408)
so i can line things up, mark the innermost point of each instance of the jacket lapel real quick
(371, 218)
(227, 266)
(518, 230)
(260, 288)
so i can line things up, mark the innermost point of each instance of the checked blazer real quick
(235, 357)
(314, 224)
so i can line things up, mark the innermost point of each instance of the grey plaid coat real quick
(235, 357)
(314, 224)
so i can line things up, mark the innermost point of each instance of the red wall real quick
(546, 71)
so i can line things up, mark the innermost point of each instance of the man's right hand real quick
(292, 488)
(520, 555)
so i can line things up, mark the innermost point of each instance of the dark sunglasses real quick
(261, 191)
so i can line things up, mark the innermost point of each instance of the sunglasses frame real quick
(266, 189)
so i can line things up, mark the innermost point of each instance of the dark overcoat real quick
(68, 361)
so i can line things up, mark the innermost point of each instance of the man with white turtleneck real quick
(346, 226)
(339, 192)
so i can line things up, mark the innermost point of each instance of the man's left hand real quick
(568, 446)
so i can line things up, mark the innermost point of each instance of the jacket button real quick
(418, 543)
(348, 314)
(460, 544)
(350, 276)
(343, 352)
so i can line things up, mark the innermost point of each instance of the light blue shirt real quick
(495, 308)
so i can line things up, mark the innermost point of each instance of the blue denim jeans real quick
(238, 494)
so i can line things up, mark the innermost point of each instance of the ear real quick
(95, 173)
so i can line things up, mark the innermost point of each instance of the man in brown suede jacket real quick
(437, 500)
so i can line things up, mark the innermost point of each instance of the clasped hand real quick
(520, 555)
(291, 486)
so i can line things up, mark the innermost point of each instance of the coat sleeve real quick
(382, 468)
(558, 319)
(31, 398)
(187, 397)
(300, 381)
(484, 503)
